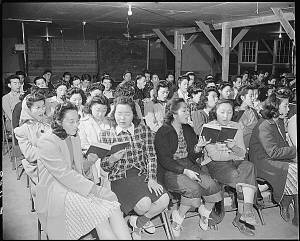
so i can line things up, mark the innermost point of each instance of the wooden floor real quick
(20, 223)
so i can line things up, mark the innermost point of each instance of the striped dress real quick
(83, 214)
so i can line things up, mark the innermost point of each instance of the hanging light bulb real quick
(129, 10)
(280, 35)
(47, 34)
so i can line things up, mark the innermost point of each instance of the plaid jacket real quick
(141, 153)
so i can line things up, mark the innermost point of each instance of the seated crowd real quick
(55, 124)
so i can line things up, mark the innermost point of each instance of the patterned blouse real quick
(141, 153)
(181, 151)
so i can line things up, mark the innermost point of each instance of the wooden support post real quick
(240, 57)
(148, 52)
(226, 44)
(177, 50)
(209, 35)
(285, 23)
(274, 57)
(169, 45)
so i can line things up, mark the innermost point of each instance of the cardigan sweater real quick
(166, 144)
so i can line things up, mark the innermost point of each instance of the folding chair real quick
(5, 143)
(16, 157)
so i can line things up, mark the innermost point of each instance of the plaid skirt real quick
(291, 185)
(83, 214)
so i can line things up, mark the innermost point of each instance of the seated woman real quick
(139, 95)
(226, 91)
(246, 114)
(273, 156)
(69, 205)
(225, 162)
(207, 101)
(33, 124)
(194, 94)
(108, 82)
(133, 173)
(61, 89)
(93, 90)
(183, 82)
(155, 109)
(177, 149)
(77, 97)
(92, 124)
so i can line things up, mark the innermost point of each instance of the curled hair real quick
(58, 116)
(108, 78)
(61, 82)
(204, 96)
(34, 97)
(125, 89)
(224, 84)
(243, 91)
(161, 84)
(94, 86)
(9, 78)
(271, 106)
(213, 112)
(125, 100)
(172, 107)
(193, 89)
(181, 78)
(76, 90)
(98, 99)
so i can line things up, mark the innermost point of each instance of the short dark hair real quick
(34, 97)
(224, 84)
(243, 91)
(235, 77)
(67, 73)
(39, 77)
(9, 78)
(181, 78)
(47, 71)
(213, 112)
(125, 100)
(98, 99)
(75, 77)
(146, 71)
(86, 77)
(160, 84)
(169, 73)
(127, 71)
(58, 116)
(171, 108)
(203, 98)
(20, 72)
(108, 78)
(76, 90)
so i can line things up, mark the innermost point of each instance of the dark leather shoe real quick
(242, 228)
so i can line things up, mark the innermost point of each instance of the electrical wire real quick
(127, 28)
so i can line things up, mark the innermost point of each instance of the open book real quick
(218, 134)
(103, 150)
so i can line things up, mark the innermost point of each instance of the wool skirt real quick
(132, 189)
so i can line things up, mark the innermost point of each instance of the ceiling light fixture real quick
(129, 9)
(280, 30)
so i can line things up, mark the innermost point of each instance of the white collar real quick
(130, 129)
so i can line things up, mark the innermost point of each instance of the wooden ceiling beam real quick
(162, 37)
(241, 23)
(284, 22)
(209, 35)
(239, 37)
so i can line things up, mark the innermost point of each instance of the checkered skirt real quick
(291, 186)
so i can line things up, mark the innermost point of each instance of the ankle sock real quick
(141, 221)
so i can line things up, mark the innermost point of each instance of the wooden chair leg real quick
(39, 230)
(167, 225)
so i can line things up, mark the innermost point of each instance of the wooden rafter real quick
(169, 45)
(267, 46)
(190, 40)
(209, 35)
(284, 22)
(239, 37)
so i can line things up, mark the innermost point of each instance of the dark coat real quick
(271, 154)
(166, 144)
